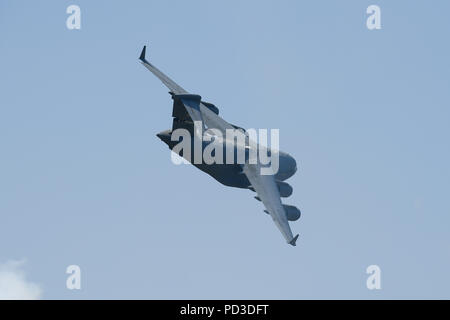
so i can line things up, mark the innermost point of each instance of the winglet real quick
(292, 242)
(142, 56)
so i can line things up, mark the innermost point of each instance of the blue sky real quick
(85, 181)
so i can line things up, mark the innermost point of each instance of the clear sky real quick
(85, 181)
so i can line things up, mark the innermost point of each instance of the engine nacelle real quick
(285, 189)
(292, 212)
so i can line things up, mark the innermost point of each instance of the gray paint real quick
(188, 108)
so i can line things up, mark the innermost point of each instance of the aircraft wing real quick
(267, 190)
(197, 109)
(175, 88)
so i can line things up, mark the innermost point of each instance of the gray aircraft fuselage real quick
(259, 169)
(231, 174)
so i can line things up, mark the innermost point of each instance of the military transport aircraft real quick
(189, 109)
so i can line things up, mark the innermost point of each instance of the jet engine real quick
(292, 212)
(284, 188)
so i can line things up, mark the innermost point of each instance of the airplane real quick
(189, 109)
